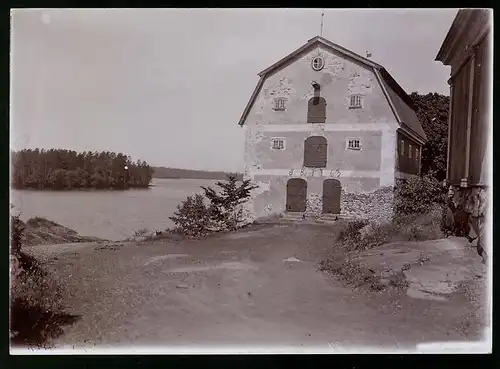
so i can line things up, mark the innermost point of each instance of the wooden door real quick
(296, 194)
(331, 196)
(315, 152)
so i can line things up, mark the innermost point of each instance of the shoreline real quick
(83, 189)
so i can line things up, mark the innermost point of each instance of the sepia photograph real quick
(251, 181)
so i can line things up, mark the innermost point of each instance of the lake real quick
(113, 215)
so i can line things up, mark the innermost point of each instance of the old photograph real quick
(239, 180)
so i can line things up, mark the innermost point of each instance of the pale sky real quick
(169, 85)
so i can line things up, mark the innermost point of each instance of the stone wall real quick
(376, 206)
(314, 205)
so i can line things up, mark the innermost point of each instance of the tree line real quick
(67, 169)
(432, 112)
(162, 172)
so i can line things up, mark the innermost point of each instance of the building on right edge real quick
(467, 48)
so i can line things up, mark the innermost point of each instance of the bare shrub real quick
(141, 232)
(353, 274)
(398, 280)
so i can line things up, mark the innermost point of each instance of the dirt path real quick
(259, 286)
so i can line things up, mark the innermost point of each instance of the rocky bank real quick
(41, 231)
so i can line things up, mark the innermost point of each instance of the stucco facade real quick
(366, 173)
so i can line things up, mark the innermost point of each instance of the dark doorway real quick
(296, 194)
(331, 196)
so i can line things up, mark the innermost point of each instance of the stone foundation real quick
(314, 205)
(472, 200)
(376, 206)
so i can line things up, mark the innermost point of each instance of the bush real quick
(37, 308)
(418, 195)
(16, 233)
(195, 218)
(226, 211)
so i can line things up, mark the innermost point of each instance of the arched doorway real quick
(331, 196)
(296, 195)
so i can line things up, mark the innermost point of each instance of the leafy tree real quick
(419, 195)
(224, 203)
(223, 212)
(432, 112)
(193, 217)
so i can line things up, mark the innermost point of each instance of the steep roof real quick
(468, 28)
(397, 98)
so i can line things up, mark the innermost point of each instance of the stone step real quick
(334, 217)
(329, 216)
(293, 216)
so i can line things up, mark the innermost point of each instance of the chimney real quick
(368, 54)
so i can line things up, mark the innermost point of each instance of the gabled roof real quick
(397, 98)
(466, 22)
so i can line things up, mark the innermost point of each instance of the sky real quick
(168, 86)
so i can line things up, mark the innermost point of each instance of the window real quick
(353, 144)
(278, 143)
(402, 147)
(316, 110)
(315, 152)
(279, 103)
(409, 151)
(318, 63)
(416, 155)
(355, 101)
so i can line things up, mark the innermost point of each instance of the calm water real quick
(112, 215)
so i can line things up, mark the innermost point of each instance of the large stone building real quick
(328, 132)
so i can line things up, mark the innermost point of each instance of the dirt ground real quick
(256, 287)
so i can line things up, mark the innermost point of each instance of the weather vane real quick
(322, 15)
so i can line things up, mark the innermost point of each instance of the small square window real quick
(355, 101)
(278, 143)
(354, 144)
(409, 151)
(279, 103)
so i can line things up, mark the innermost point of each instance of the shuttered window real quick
(316, 110)
(315, 152)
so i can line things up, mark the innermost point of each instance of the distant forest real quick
(162, 172)
(66, 169)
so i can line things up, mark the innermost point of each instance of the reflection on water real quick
(113, 215)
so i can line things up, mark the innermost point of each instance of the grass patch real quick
(356, 236)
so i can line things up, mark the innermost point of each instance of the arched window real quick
(315, 152)
(316, 110)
